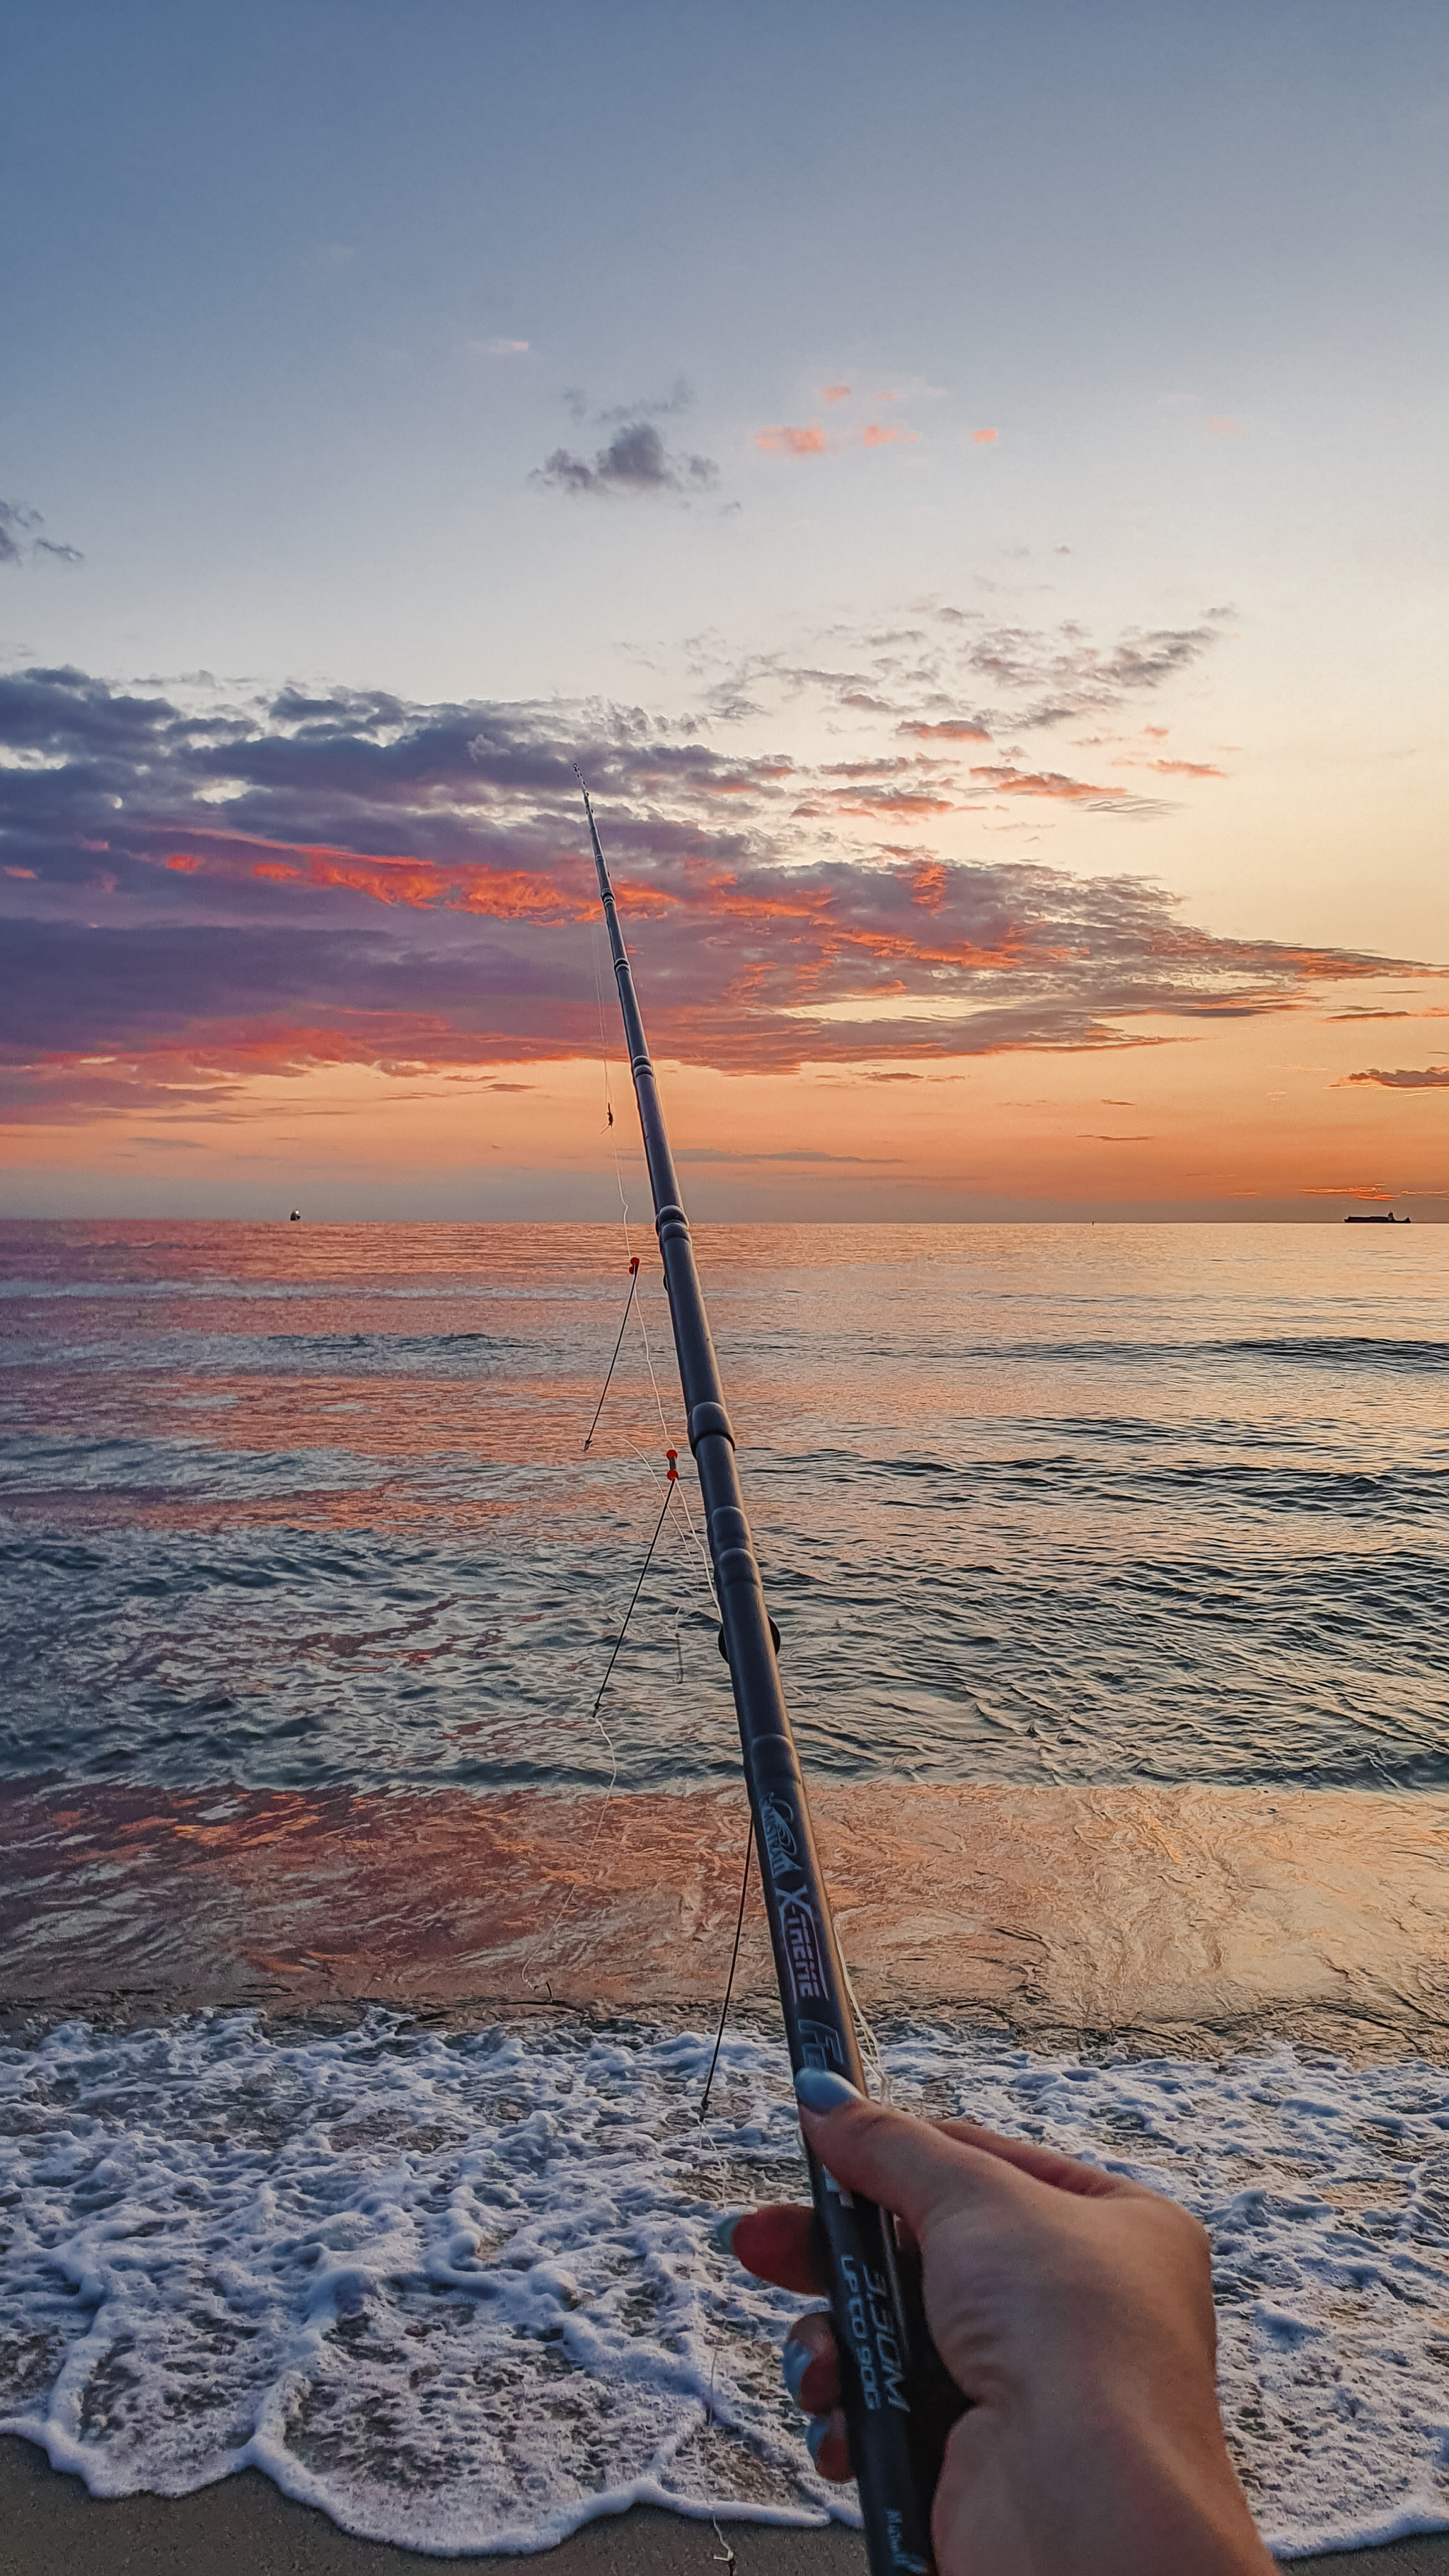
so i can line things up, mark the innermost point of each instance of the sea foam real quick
(459, 2291)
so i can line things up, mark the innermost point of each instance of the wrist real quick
(1134, 2489)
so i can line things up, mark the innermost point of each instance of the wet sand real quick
(1121, 1912)
(245, 2527)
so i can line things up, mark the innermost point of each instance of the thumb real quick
(905, 2165)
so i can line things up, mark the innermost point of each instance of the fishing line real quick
(610, 1129)
(706, 1568)
(653, 1380)
(730, 1980)
(603, 1041)
(618, 1346)
(595, 1720)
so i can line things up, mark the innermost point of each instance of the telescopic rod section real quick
(894, 2390)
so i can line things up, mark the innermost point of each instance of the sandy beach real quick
(244, 2527)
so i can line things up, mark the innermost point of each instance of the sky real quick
(965, 486)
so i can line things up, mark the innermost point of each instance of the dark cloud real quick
(804, 1154)
(668, 406)
(635, 461)
(200, 887)
(19, 542)
(1431, 1077)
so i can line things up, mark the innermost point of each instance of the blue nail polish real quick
(815, 2432)
(794, 2362)
(722, 2234)
(819, 2090)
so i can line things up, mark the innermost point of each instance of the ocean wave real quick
(1347, 1350)
(371, 1355)
(458, 2289)
(286, 1656)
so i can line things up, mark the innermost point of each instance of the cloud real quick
(988, 438)
(680, 397)
(505, 348)
(1221, 427)
(801, 1154)
(837, 393)
(1433, 1077)
(931, 668)
(785, 441)
(19, 542)
(368, 880)
(635, 461)
(1171, 768)
(1006, 781)
(15, 527)
(953, 729)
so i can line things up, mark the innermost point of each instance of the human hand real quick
(1074, 2311)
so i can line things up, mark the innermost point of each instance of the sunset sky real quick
(966, 486)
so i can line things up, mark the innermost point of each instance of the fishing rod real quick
(893, 2387)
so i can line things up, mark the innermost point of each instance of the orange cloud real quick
(1221, 427)
(1429, 1077)
(1174, 768)
(898, 803)
(500, 894)
(21, 872)
(837, 393)
(785, 441)
(1044, 782)
(887, 434)
(984, 437)
(956, 729)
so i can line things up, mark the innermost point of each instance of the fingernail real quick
(819, 2090)
(794, 2362)
(815, 2432)
(722, 2234)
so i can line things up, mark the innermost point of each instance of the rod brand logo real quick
(801, 1936)
(781, 1849)
(900, 2555)
(820, 2045)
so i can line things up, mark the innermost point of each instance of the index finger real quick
(1064, 2173)
(922, 2172)
(780, 2244)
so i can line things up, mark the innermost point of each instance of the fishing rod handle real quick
(898, 2400)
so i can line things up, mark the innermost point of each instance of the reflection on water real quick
(308, 1505)
(1324, 1913)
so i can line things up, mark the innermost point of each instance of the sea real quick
(305, 1511)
